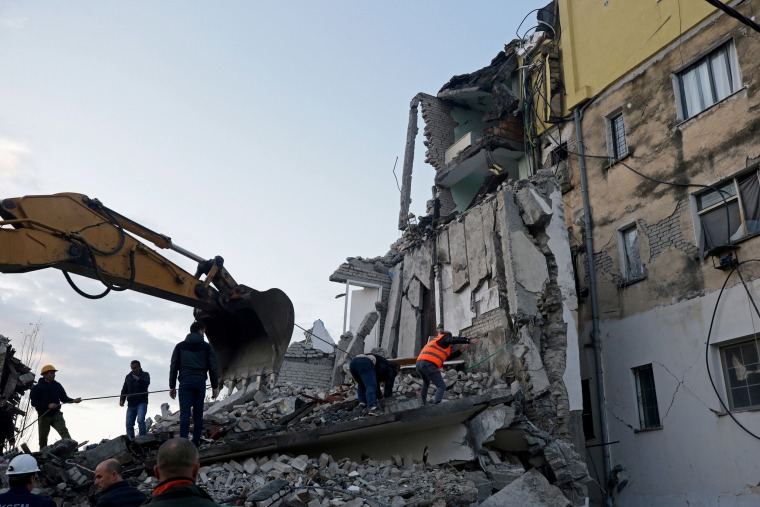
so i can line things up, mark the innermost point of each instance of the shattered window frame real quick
(741, 371)
(631, 266)
(741, 196)
(707, 81)
(646, 395)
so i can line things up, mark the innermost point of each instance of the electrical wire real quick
(734, 14)
(707, 346)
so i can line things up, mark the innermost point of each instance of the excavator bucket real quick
(251, 334)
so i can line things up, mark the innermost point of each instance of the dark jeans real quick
(136, 412)
(430, 373)
(363, 371)
(191, 396)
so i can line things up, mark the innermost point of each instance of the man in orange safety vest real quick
(431, 358)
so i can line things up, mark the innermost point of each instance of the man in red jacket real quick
(431, 358)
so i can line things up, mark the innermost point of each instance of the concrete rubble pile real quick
(295, 479)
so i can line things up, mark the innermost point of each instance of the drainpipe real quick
(578, 115)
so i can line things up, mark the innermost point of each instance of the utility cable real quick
(707, 355)
(734, 14)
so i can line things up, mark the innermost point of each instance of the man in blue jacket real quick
(46, 397)
(135, 392)
(192, 359)
(21, 474)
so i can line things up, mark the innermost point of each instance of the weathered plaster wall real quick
(362, 302)
(698, 457)
(663, 319)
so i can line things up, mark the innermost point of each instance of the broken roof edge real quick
(503, 64)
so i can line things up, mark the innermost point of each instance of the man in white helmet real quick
(21, 477)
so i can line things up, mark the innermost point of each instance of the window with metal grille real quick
(618, 143)
(741, 369)
(707, 81)
(729, 212)
(649, 414)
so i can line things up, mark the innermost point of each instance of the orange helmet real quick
(47, 368)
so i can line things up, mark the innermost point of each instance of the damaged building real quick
(492, 259)
(660, 165)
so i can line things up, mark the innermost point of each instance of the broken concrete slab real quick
(530, 490)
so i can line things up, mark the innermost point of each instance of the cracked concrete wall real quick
(504, 277)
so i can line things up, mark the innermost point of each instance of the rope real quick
(491, 355)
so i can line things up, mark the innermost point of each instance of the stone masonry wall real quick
(306, 367)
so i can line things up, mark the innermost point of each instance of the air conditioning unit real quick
(462, 143)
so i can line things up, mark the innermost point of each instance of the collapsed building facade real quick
(491, 259)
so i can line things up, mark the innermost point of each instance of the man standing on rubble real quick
(114, 490)
(46, 397)
(135, 392)
(176, 468)
(431, 358)
(21, 474)
(191, 360)
(369, 370)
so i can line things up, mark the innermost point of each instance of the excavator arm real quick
(249, 330)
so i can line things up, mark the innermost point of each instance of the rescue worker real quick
(114, 490)
(7, 426)
(135, 393)
(176, 468)
(369, 370)
(431, 358)
(21, 479)
(191, 360)
(46, 397)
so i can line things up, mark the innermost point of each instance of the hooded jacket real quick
(183, 495)
(191, 359)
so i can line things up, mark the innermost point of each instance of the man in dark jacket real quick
(21, 479)
(114, 490)
(177, 468)
(369, 370)
(135, 392)
(46, 397)
(191, 360)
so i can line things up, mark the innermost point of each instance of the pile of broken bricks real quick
(279, 479)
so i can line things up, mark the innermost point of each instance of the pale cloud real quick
(15, 23)
(12, 154)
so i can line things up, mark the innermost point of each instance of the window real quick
(559, 154)
(630, 259)
(741, 368)
(617, 146)
(729, 212)
(707, 81)
(649, 414)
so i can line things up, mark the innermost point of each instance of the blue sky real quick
(264, 132)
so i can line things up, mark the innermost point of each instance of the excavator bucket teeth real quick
(251, 335)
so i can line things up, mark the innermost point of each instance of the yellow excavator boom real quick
(249, 330)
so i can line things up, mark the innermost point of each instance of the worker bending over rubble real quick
(114, 490)
(431, 358)
(177, 466)
(368, 370)
(21, 474)
(46, 397)
(191, 360)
